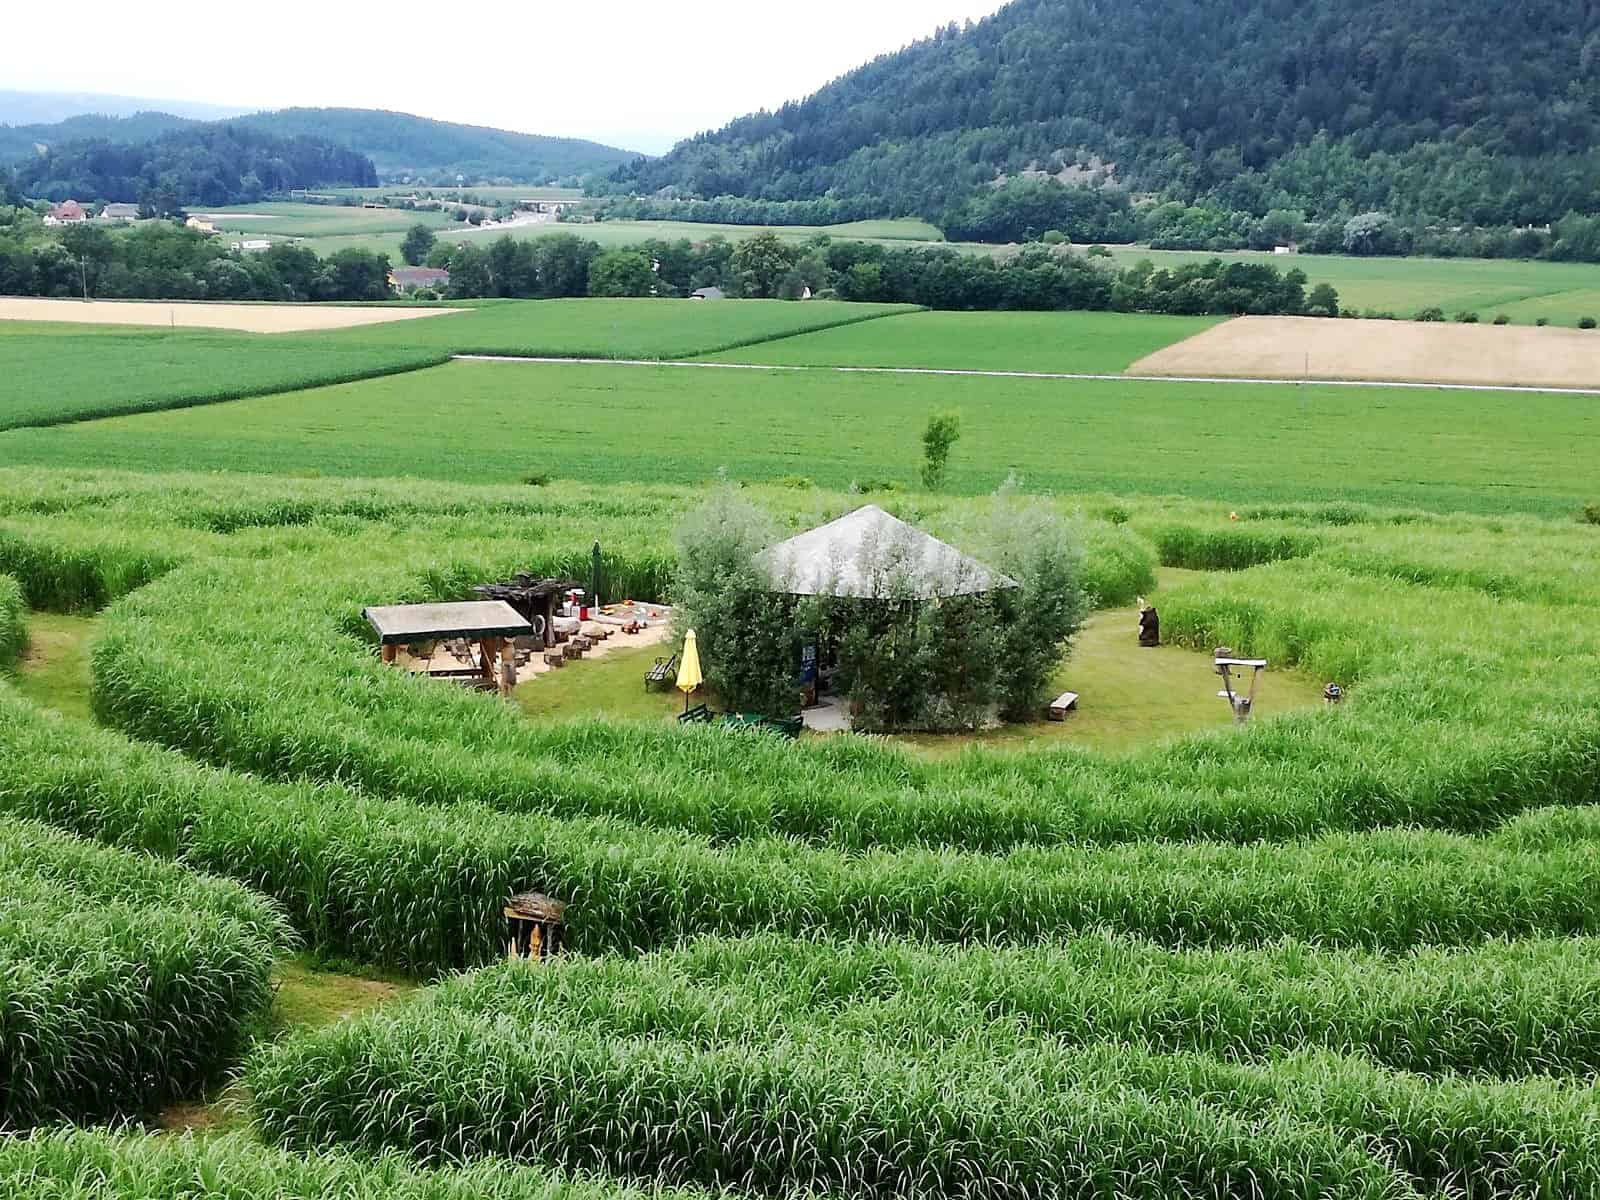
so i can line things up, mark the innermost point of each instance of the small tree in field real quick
(942, 433)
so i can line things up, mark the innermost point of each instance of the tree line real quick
(1037, 277)
(162, 260)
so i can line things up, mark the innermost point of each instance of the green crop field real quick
(57, 373)
(500, 422)
(1071, 342)
(252, 879)
(653, 329)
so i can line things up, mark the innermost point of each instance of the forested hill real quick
(1467, 110)
(437, 151)
(17, 141)
(203, 165)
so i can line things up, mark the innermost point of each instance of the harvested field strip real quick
(243, 318)
(1400, 351)
(715, 1084)
(99, 1165)
(126, 981)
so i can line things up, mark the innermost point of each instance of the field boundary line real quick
(1069, 377)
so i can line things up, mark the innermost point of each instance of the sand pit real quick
(246, 318)
(1392, 351)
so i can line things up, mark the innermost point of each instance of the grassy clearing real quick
(1074, 343)
(309, 996)
(609, 424)
(60, 373)
(53, 671)
(799, 1070)
(126, 981)
(612, 687)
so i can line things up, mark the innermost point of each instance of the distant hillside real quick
(49, 108)
(201, 164)
(1461, 110)
(437, 151)
(19, 141)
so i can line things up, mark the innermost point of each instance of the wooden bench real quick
(1062, 705)
(659, 677)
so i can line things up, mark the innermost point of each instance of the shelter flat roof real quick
(871, 555)
(401, 623)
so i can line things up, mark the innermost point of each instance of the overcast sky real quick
(635, 73)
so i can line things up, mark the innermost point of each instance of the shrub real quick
(1541, 322)
(1590, 514)
(1502, 319)
(1586, 323)
(1431, 314)
(1099, 251)
(940, 436)
(1466, 318)
(537, 479)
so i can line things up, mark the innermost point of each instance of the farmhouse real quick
(202, 224)
(120, 212)
(251, 245)
(409, 279)
(68, 212)
(708, 293)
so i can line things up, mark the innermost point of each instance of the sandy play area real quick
(247, 318)
(1399, 351)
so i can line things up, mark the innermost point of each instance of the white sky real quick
(628, 72)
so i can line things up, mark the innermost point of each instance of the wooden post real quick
(486, 652)
(390, 652)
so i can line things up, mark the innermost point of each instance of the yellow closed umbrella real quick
(689, 676)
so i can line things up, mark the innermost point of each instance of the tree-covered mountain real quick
(1472, 111)
(402, 145)
(18, 141)
(200, 165)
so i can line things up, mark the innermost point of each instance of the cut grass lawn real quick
(612, 686)
(320, 220)
(501, 422)
(1063, 342)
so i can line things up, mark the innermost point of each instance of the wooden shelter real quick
(535, 600)
(489, 623)
(536, 923)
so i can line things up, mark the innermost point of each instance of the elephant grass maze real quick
(1342, 952)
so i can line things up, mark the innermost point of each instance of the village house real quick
(68, 212)
(409, 279)
(120, 212)
(201, 224)
(251, 245)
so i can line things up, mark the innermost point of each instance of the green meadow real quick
(501, 422)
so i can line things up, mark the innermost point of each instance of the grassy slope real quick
(1069, 342)
(671, 424)
(54, 670)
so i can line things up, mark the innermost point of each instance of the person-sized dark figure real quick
(1149, 625)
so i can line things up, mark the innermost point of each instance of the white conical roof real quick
(870, 555)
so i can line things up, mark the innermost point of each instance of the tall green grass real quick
(124, 982)
(633, 1069)
(13, 632)
(73, 1164)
